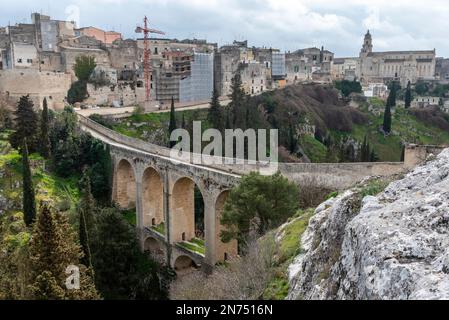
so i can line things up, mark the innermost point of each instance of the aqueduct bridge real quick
(162, 191)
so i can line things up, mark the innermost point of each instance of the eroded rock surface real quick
(392, 246)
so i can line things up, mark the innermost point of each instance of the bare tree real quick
(244, 278)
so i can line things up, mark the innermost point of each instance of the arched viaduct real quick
(162, 191)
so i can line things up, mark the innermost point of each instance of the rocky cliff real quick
(391, 246)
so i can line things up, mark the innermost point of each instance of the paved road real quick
(120, 111)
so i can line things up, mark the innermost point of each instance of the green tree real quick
(172, 126)
(29, 201)
(84, 66)
(391, 102)
(86, 211)
(183, 122)
(53, 248)
(347, 87)
(257, 204)
(237, 104)
(215, 116)
(26, 124)
(77, 92)
(116, 255)
(387, 120)
(45, 147)
(422, 88)
(408, 95)
(6, 121)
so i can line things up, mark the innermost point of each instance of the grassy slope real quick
(406, 128)
(62, 193)
(289, 247)
(158, 121)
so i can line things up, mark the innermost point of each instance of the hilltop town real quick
(37, 58)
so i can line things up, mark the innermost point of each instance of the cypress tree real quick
(215, 116)
(373, 156)
(408, 96)
(391, 102)
(44, 135)
(293, 142)
(228, 120)
(237, 100)
(172, 126)
(26, 124)
(29, 201)
(364, 150)
(387, 120)
(183, 122)
(52, 249)
(86, 211)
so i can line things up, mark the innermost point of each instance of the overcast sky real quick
(284, 24)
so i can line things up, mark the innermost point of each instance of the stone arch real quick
(184, 263)
(152, 198)
(152, 245)
(155, 248)
(182, 210)
(223, 251)
(125, 185)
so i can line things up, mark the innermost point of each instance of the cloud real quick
(286, 24)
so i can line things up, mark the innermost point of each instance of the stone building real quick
(403, 66)
(106, 37)
(227, 61)
(442, 69)
(345, 69)
(425, 102)
(49, 32)
(254, 77)
(310, 64)
(255, 66)
(297, 68)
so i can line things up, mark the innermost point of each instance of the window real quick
(155, 51)
(183, 236)
(19, 60)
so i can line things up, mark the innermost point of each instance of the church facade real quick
(402, 66)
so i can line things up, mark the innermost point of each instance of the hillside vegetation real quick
(315, 124)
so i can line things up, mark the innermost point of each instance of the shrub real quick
(257, 204)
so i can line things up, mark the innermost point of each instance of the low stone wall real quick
(337, 176)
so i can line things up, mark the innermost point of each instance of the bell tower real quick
(367, 44)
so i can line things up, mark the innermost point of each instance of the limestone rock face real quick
(392, 246)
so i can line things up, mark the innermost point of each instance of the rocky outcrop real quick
(391, 246)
